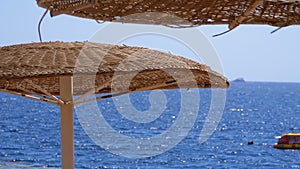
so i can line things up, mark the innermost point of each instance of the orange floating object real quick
(288, 141)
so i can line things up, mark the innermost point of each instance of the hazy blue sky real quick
(248, 51)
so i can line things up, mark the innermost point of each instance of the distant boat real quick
(239, 80)
(288, 141)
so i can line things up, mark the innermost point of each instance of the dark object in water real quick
(250, 142)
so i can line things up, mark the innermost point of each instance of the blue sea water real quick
(30, 132)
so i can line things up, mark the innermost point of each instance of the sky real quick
(249, 51)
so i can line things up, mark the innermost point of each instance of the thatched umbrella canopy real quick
(43, 63)
(193, 12)
(43, 71)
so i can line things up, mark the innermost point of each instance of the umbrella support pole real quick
(67, 122)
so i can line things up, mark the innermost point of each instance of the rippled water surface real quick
(30, 137)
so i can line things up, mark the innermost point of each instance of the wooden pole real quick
(242, 17)
(67, 122)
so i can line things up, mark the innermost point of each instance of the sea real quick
(253, 112)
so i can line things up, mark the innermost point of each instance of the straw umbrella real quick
(54, 72)
(188, 12)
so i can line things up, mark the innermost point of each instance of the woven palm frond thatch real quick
(182, 12)
(35, 68)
